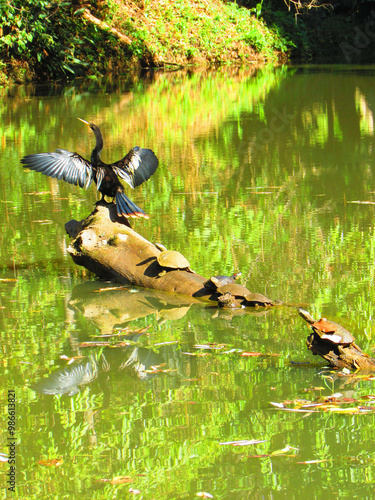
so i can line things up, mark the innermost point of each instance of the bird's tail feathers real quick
(126, 208)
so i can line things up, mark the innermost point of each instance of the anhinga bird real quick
(135, 168)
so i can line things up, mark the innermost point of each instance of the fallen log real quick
(350, 357)
(336, 345)
(86, 14)
(106, 245)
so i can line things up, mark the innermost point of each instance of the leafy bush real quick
(51, 40)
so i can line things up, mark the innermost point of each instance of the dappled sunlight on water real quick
(268, 172)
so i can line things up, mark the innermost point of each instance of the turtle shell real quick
(328, 331)
(332, 332)
(173, 260)
(258, 299)
(216, 282)
(234, 289)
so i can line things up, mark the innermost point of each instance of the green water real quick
(269, 172)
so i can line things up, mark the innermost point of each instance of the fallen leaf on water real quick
(314, 461)
(284, 451)
(94, 344)
(210, 345)
(110, 288)
(251, 354)
(362, 202)
(204, 494)
(51, 462)
(167, 343)
(197, 354)
(134, 491)
(7, 280)
(278, 405)
(244, 442)
(121, 480)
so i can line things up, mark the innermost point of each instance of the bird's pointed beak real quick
(84, 121)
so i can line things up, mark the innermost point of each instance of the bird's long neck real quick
(95, 155)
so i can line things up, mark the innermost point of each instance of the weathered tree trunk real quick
(86, 14)
(106, 245)
(350, 357)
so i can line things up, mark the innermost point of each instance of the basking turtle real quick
(329, 331)
(229, 301)
(216, 282)
(171, 259)
(257, 299)
(238, 291)
(244, 295)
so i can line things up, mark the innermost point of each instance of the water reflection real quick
(257, 169)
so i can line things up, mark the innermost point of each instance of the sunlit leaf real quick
(204, 494)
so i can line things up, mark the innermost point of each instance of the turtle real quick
(329, 331)
(257, 299)
(246, 297)
(171, 259)
(229, 301)
(238, 291)
(216, 282)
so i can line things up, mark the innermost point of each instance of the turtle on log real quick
(241, 296)
(329, 332)
(171, 259)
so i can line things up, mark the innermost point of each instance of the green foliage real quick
(49, 40)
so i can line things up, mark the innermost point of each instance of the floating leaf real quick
(244, 442)
(134, 491)
(251, 354)
(278, 405)
(283, 451)
(51, 462)
(121, 480)
(204, 494)
(110, 288)
(314, 461)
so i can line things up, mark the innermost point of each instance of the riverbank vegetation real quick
(50, 40)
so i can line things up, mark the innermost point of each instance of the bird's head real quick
(98, 135)
(91, 125)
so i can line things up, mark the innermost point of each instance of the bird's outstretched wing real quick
(61, 164)
(137, 166)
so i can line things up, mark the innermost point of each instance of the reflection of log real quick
(108, 307)
(113, 251)
(339, 356)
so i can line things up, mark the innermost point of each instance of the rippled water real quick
(269, 172)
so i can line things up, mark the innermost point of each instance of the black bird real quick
(135, 168)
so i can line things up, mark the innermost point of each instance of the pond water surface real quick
(269, 172)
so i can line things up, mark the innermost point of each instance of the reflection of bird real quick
(135, 168)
